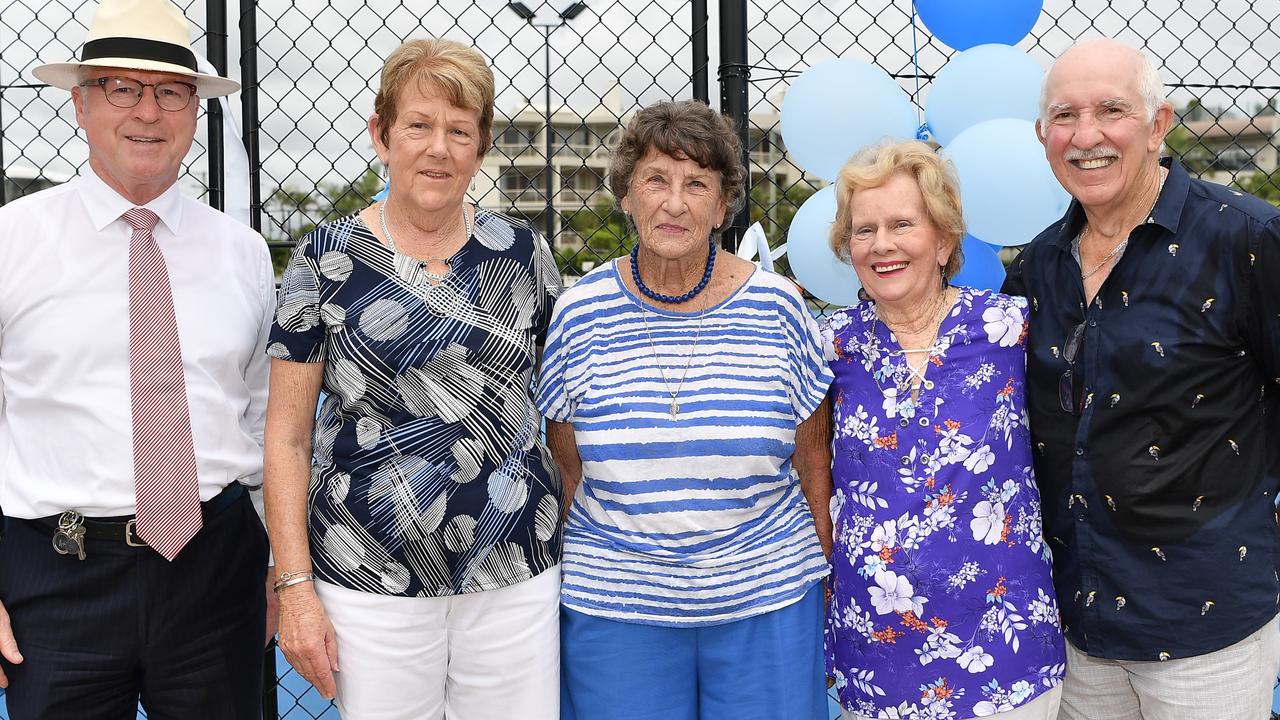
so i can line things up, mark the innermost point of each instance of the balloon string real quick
(922, 133)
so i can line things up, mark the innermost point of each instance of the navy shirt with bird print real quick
(1154, 423)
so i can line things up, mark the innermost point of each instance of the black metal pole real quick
(3, 178)
(216, 49)
(550, 218)
(249, 136)
(735, 76)
(249, 118)
(698, 37)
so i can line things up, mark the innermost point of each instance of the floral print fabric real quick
(942, 601)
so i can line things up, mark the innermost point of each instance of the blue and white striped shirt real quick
(696, 520)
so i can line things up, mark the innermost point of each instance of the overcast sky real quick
(318, 62)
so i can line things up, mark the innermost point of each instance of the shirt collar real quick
(1167, 211)
(105, 205)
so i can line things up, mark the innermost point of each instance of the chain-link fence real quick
(568, 77)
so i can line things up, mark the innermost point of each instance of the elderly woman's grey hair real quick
(682, 129)
(1150, 87)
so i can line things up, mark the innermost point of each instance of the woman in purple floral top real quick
(942, 604)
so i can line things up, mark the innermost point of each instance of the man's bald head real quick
(1108, 52)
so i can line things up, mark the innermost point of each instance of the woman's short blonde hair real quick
(454, 71)
(872, 167)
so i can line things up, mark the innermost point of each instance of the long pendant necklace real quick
(424, 263)
(674, 408)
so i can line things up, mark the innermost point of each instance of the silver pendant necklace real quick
(674, 408)
(424, 263)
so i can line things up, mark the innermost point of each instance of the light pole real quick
(562, 17)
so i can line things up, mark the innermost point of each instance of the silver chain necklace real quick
(674, 408)
(1105, 259)
(1120, 246)
(423, 262)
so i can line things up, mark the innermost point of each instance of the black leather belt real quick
(124, 529)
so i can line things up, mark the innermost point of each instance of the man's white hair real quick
(1150, 87)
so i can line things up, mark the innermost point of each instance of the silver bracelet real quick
(296, 578)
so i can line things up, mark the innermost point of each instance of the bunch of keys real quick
(69, 539)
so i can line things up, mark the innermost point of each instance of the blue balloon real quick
(1007, 189)
(983, 83)
(976, 22)
(813, 263)
(982, 268)
(836, 108)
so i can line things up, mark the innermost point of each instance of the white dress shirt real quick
(66, 430)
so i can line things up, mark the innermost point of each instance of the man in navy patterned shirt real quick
(1154, 385)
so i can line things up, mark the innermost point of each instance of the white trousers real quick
(466, 657)
(1234, 683)
(1044, 707)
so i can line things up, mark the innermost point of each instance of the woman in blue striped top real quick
(684, 391)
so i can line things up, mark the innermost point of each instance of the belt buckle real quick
(131, 535)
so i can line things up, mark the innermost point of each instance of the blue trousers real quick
(767, 667)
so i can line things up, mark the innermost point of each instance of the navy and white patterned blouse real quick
(429, 474)
(942, 601)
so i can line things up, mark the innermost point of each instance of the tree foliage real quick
(1265, 186)
(1187, 148)
(774, 207)
(297, 211)
(605, 235)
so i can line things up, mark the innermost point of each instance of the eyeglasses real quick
(123, 92)
(1068, 398)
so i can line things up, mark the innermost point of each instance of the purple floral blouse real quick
(943, 605)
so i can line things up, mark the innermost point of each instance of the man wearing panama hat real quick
(133, 322)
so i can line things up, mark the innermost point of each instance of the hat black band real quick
(139, 49)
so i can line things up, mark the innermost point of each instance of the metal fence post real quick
(3, 183)
(735, 76)
(216, 49)
(698, 37)
(249, 119)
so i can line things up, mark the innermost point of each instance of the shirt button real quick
(1079, 451)
(924, 422)
(1093, 323)
(1080, 518)
(904, 422)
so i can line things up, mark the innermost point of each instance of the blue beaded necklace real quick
(672, 299)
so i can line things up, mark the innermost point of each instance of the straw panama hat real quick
(146, 35)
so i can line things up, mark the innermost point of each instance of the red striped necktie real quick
(164, 460)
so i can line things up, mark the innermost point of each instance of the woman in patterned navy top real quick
(429, 516)
(684, 392)
(942, 602)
